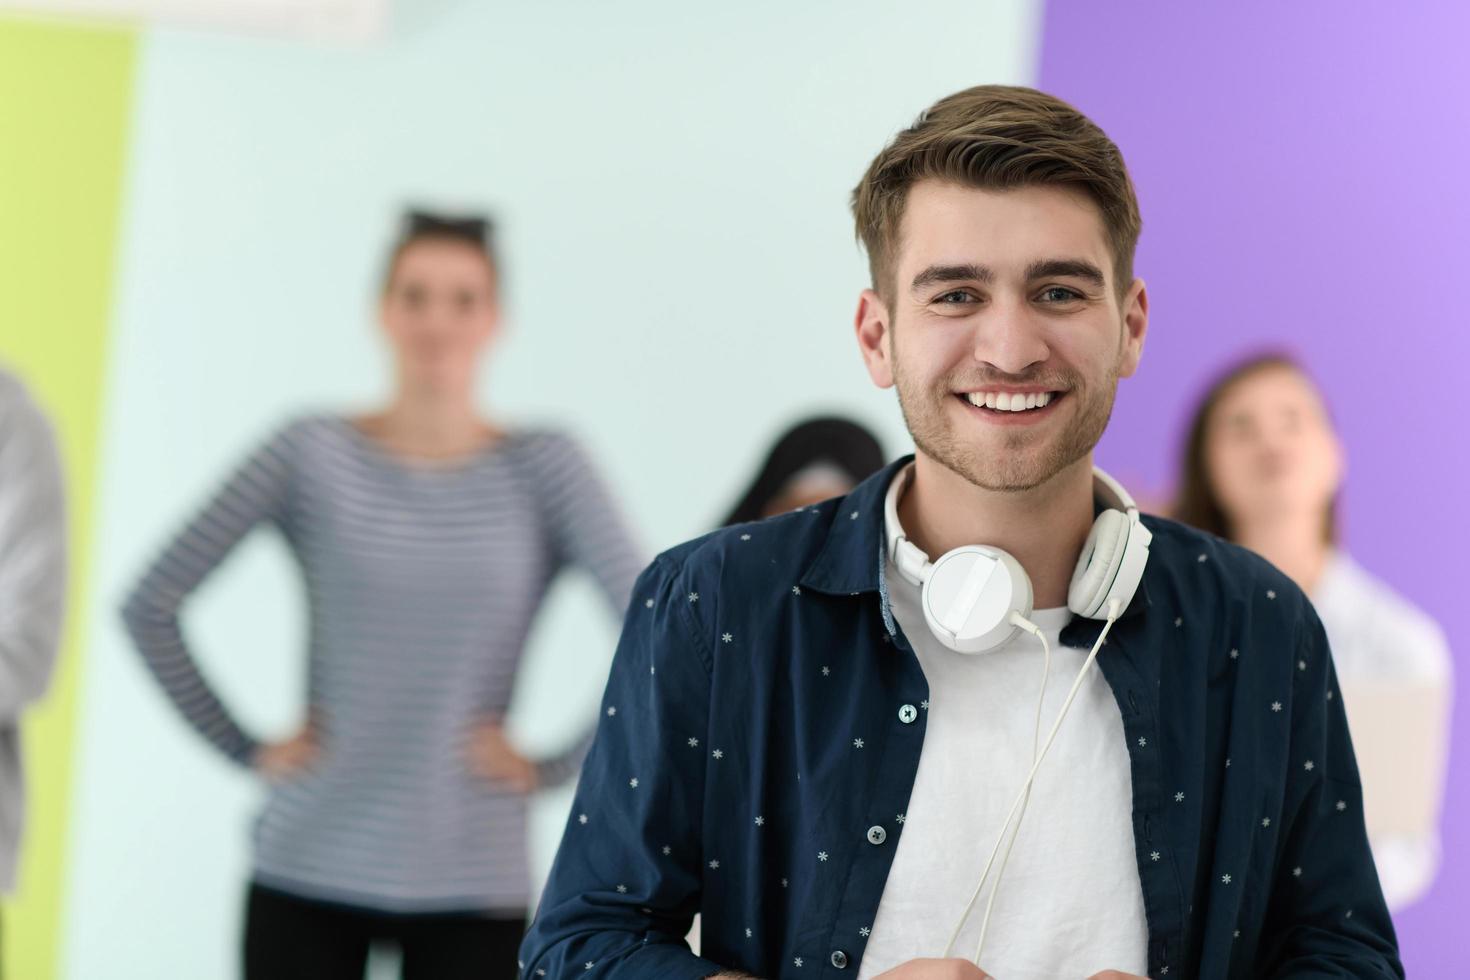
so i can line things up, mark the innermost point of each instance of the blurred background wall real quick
(193, 219)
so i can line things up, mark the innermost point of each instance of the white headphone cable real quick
(1114, 610)
(1005, 858)
(1018, 620)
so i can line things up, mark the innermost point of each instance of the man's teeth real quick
(1004, 401)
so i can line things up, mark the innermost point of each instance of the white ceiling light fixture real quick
(335, 20)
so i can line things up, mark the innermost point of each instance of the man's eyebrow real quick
(952, 273)
(1068, 268)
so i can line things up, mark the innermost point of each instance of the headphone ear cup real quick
(1098, 565)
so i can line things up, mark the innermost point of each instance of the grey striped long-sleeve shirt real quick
(423, 582)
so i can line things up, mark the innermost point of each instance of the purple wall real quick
(1304, 171)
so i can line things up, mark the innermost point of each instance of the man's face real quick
(1003, 330)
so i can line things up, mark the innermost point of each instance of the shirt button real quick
(877, 835)
(907, 714)
(839, 959)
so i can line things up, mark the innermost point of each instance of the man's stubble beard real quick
(1020, 464)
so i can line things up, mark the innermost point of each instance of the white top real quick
(32, 588)
(1071, 903)
(1375, 633)
(1378, 637)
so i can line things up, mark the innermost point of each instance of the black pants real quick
(287, 937)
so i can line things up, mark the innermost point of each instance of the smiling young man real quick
(803, 743)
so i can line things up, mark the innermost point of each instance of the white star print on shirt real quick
(622, 889)
(1155, 856)
(633, 783)
(865, 932)
(648, 603)
(796, 590)
(582, 819)
(857, 743)
(1296, 872)
(826, 671)
(1341, 805)
(1142, 743)
(744, 537)
(668, 850)
(821, 855)
(1234, 654)
(1309, 765)
(693, 743)
(714, 865)
(1275, 705)
(611, 711)
(1178, 797)
(694, 597)
(727, 637)
(1265, 821)
(760, 821)
(1224, 879)
(718, 753)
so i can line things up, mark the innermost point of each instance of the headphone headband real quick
(902, 552)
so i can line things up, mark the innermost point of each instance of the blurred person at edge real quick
(32, 590)
(813, 461)
(1262, 467)
(428, 536)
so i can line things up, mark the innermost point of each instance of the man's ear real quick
(1135, 327)
(875, 337)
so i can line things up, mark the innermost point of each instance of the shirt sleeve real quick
(627, 880)
(255, 492)
(1326, 915)
(32, 556)
(588, 531)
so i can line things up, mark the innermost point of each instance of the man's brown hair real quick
(997, 137)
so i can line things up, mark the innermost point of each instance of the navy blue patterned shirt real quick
(721, 780)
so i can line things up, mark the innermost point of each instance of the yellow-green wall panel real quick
(64, 108)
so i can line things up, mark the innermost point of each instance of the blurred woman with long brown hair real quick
(1262, 467)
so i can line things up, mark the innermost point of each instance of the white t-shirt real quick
(1378, 637)
(1070, 904)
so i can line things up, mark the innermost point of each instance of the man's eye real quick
(413, 297)
(1060, 294)
(955, 296)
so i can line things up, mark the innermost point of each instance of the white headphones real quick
(973, 595)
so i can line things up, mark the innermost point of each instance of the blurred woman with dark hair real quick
(814, 460)
(1262, 466)
(428, 537)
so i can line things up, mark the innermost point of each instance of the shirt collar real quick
(851, 559)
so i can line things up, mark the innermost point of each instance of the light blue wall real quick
(671, 180)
